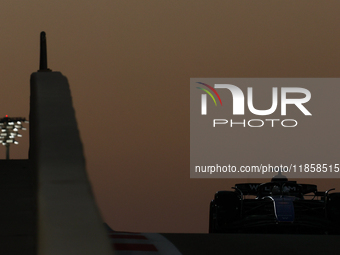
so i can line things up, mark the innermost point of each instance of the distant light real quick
(9, 130)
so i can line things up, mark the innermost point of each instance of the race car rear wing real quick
(251, 188)
(248, 188)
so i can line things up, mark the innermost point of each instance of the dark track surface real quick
(18, 208)
(219, 244)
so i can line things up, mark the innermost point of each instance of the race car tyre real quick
(333, 212)
(224, 210)
(212, 221)
(333, 207)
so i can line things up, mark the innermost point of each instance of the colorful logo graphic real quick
(239, 99)
(204, 97)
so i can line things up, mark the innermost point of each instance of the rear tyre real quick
(225, 209)
(333, 212)
(212, 221)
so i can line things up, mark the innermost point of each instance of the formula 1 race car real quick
(279, 206)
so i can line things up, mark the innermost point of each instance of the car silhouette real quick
(278, 206)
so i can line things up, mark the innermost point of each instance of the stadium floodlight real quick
(9, 130)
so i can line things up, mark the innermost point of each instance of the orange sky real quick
(129, 64)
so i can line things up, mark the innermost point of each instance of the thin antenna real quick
(43, 53)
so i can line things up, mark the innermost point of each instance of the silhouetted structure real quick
(43, 54)
(69, 221)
